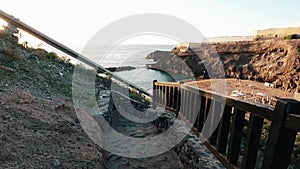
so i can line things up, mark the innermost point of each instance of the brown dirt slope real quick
(38, 124)
(43, 133)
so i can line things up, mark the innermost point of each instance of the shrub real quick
(295, 160)
(138, 98)
(43, 55)
(292, 36)
(8, 37)
(40, 53)
(103, 81)
(52, 56)
(11, 55)
(2, 73)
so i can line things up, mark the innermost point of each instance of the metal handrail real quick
(65, 49)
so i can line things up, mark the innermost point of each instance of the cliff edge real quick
(273, 61)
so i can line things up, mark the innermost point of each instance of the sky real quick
(73, 23)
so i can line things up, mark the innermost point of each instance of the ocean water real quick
(134, 56)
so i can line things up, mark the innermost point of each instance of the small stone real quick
(56, 163)
(4, 117)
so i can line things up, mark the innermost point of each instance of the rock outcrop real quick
(273, 61)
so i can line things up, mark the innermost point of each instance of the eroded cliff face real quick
(274, 61)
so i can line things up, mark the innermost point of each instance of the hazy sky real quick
(75, 22)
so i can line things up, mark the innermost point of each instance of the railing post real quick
(281, 140)
(172, 98)
(215, 119)
(167, 91)
(189, 105)
(252, 143)
(224, 129)
(201, 113)
(165, 96)
(154, 98)
(194, 108)
(184, 102)
(178, 99)
(160, 98)
(197, 103)
(236, 136)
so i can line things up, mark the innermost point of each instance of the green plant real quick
(265, 134)
(137, 97)
(11, 55)
(1, 74)
(51, 56)
(295, 158)
(106, 82)
(40, 53)
(292, 36)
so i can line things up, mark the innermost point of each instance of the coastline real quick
(175, 77)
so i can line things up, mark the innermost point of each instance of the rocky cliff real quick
(274, 61)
